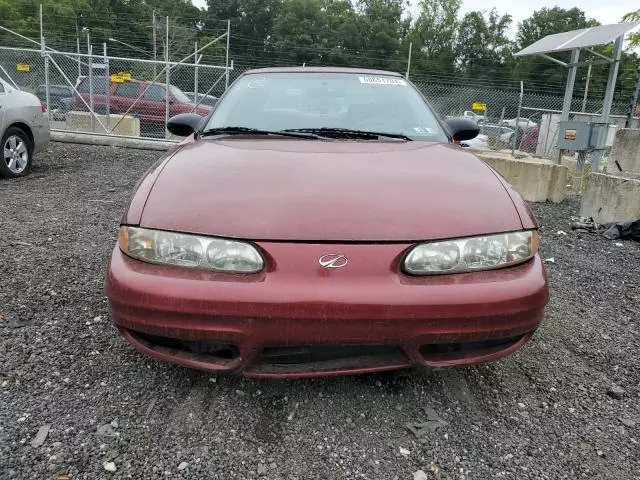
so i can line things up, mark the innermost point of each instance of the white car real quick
(523, 123)
(474, 117)
(497, 133)
(480, 143)
(24, 130)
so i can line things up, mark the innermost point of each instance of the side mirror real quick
(184, 124)
(462, 129)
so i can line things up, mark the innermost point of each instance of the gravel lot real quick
(566, 406)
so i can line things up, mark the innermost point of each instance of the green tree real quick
(634, 38)
(434, 35)
(483, 45)
(381, 28)
(299, 31)
(252, 24)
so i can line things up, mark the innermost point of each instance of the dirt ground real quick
(567, 406)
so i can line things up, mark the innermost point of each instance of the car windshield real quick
(179, 95)
(315, 100)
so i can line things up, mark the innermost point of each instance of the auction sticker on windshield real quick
(383, 81)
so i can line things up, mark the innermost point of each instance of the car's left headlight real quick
(191, 251)
(472, 254)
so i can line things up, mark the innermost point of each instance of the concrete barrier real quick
(537, 180)
(111, 141)
(626, 151)
(81, 121)
(611, 198)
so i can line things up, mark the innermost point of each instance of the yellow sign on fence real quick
(118, 78)
(23, 67)
(479, 106)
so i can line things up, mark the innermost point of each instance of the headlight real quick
(472, 254)
(191, 251)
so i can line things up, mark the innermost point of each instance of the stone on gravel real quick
(262, 469)
(420, 475)
(107, 431)
(616, 391)
(404, 452)
(109, 466)
(628, 422)
(182, 466)
(41, 436)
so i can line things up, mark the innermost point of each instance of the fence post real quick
(586, 89)
(91, 106)
(409, 61)
(44, 54)
(155, 52)
(226, 82)
(195, 76)
(107, 83)
(515, 135)
(167, 79)
(634, 102)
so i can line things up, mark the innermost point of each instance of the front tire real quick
(17, 153)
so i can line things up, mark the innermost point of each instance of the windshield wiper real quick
(348, 133)
(256, 131)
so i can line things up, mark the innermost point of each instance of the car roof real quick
(133, 80)
(362, 71)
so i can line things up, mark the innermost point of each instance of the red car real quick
(323, 222)
(123, 97)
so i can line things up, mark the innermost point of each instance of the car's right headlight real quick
(190, 251)
(487, 252)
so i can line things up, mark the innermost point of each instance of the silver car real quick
(24, 130)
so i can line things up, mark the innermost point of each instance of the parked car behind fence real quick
(59, 99)
(123, 98)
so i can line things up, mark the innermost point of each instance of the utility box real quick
(574, 136)
(585, 137)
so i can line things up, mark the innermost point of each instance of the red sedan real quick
(322, 221)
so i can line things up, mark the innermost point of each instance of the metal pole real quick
(78, 50)
(634, 101)
(41, 31)
(568, 92)
(43, 52)
(515, 135)
(167, 78)
(608, 99)
(155, 53)
(613, 76)
(409, 61)
(586, 89)
(91, 107)
(195, 77)
(226, 82)
(107, 82)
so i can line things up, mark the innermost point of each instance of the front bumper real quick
(298, 319)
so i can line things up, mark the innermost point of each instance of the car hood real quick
(281, 189)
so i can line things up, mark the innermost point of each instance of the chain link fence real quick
(106, 95)
(100, 94)
(534, 132)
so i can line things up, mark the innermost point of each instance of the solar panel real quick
(583, 38)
